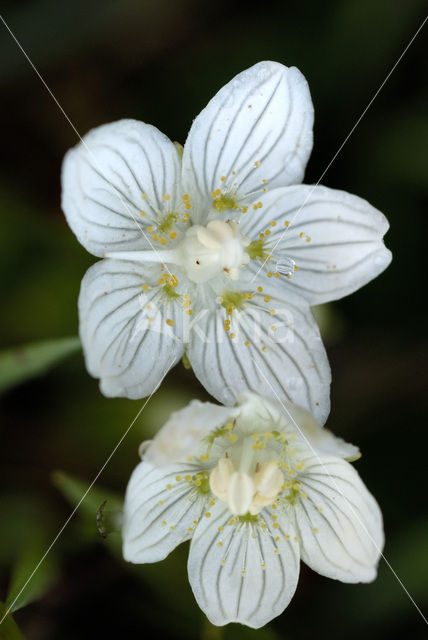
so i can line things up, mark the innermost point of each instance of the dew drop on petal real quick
(286, 266)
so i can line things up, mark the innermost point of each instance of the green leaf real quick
(40, 581)
(73, 489)
(8, 628)
(27, 361)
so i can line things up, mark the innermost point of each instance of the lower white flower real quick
(256, 489)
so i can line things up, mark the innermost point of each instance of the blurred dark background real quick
(160, 61)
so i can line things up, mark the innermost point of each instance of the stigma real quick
(204, 252)
(208, 251)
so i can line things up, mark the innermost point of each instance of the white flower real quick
(204, 240)
(256, 489)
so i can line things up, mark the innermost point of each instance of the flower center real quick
(206, 252)
(248, 488)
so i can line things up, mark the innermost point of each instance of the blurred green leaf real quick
(26, 562)
(8, 628)
(27, 361)
(73, 489)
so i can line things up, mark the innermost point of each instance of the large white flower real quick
(256, 488)
(216, 250)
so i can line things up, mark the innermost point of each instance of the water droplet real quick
(286, 266)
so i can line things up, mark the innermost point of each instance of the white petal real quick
(339, 523)
(220, 588)
(128, 346)
(310, 433)
(104, 179)
(256, 128)
(158, 513)
(318, 438)
(335, 239)
(182, 434)
(289, 363)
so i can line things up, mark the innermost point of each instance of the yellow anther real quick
(173, 235)
(155, 237)
(233, 437)
(145, 287)
(246, 343)
(169, 487)
(286, 223)
(207, 514)
(166, 197)
(259, 289)
(178, 478)
(273, 223)
(163, 241)
(266, 298)
(257, 164)
(269, 274)
(150, 229)
(170, 322)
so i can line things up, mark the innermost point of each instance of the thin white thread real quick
(10, 607)
(125, 205)
(342, 494)
(342, 145)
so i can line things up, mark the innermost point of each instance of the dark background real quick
(160, 61)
